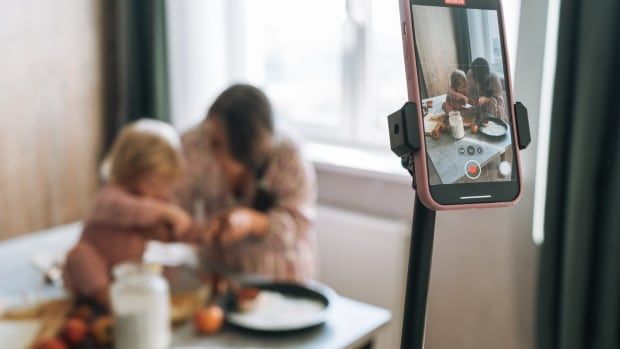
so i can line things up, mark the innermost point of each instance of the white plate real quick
(278, 310)
(494, 129)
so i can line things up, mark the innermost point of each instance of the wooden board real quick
(431, 121)
(50, 315)
(437, 44)
(50, 111)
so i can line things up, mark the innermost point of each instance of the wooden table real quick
(351, 324)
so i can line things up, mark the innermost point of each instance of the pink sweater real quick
(116, 230)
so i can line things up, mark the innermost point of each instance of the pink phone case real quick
(413, 90)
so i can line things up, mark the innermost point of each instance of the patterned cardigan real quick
(497, 107)
(288, 250)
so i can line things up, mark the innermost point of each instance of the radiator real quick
(364, 257)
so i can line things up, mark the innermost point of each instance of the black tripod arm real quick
(406, 143)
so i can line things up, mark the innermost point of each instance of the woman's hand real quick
(209, 235)
(238, 224)
(484, 100)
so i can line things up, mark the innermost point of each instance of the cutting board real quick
(433, 120)
(49, 317)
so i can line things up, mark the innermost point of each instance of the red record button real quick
(472, 169)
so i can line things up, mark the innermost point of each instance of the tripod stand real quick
(405, 142)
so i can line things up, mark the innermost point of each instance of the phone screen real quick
(462, 78)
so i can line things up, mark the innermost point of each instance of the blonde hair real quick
(144, 147)
(458, 79)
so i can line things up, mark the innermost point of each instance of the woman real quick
(252, 188)
(485, 89)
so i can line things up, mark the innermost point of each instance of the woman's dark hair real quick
(246, 114)
(482, 74)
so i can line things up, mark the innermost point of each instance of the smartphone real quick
(458, 76)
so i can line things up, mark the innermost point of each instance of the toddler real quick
(133, 207)
(457, 96)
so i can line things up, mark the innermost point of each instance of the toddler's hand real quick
(179, 220)
(463, 99)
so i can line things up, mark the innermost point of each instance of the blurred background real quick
(75, 71)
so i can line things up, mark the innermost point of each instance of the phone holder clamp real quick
(405, 131)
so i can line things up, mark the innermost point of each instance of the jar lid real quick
(125, 269)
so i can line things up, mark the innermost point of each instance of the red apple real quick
(209, 320)
(75, 331)
(51, 343)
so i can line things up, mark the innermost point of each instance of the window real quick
(484, 31)
(294, 51)
(333, 68)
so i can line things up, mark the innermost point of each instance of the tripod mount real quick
(404, 128)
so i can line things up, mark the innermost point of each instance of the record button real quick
(472, 169)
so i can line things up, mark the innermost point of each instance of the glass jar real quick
(140, 300)
(457, 128)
